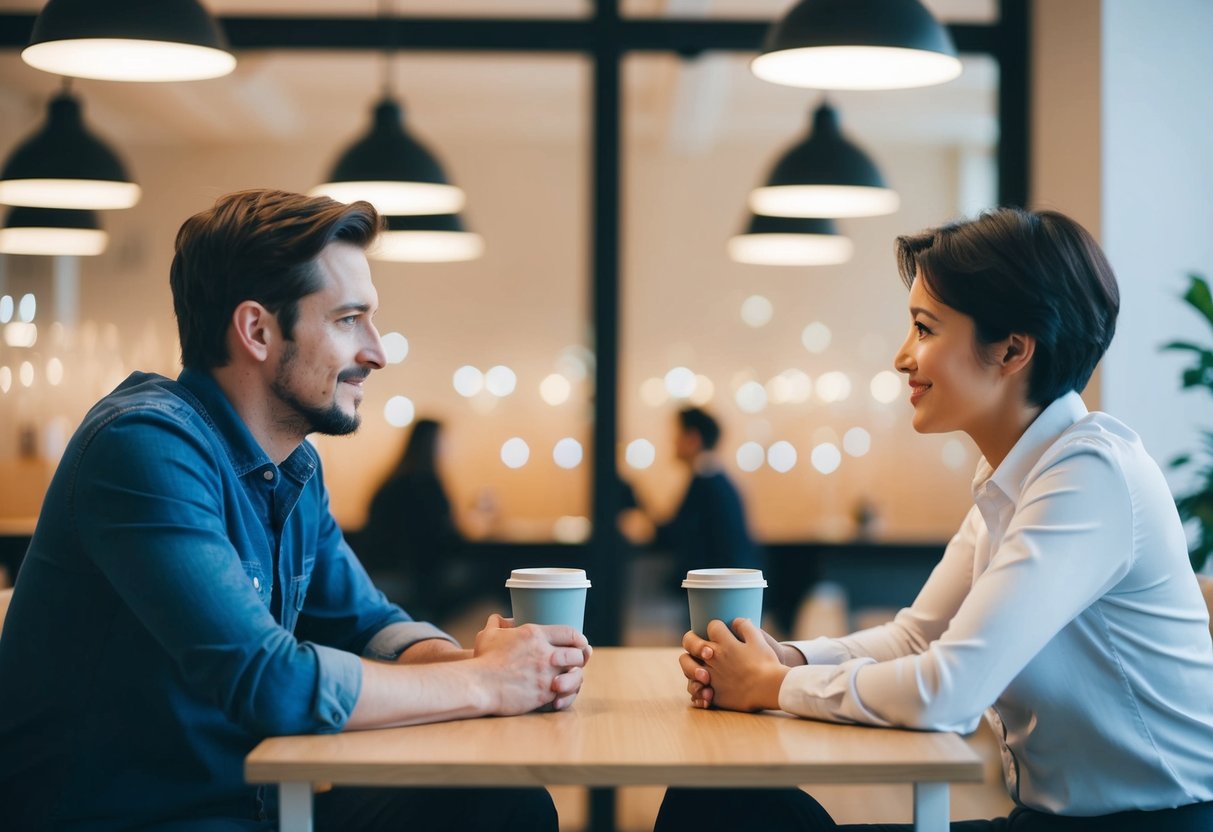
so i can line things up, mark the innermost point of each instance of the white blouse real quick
(1066, 605)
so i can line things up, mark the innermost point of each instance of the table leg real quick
(295, 807)
(602, 810)
(931, 807)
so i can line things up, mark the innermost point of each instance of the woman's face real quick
(951, 387)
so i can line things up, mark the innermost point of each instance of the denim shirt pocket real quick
(293, 602)
(257, 580)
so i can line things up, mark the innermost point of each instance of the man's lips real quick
(355, 377)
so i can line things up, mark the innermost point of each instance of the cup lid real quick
(547, 577)
(723, 579)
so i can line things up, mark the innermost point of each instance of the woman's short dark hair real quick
(1033, 272)
(258, 245)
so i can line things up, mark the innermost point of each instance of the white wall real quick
(1157, 207)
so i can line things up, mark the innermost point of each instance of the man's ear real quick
(254, 329)
(1016, 352)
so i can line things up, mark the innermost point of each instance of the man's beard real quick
(330, 420)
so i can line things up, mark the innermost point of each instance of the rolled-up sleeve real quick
(394, 639)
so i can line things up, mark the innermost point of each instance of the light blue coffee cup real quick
(548, 595)
(725, 594)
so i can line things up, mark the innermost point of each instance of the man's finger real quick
(567, 657)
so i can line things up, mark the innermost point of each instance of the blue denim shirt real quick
(182, 599)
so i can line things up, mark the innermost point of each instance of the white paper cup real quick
(548, 595)
(723, 594)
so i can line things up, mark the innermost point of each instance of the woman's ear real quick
(253, 330)
(1016, 352)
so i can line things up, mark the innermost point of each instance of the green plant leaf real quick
(1199, 297)
(1184, 345)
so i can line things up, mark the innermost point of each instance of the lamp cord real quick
(389, 48)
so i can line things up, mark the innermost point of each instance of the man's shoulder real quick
(147, 398)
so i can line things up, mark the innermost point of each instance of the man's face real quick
(319, 374)
(687, 443)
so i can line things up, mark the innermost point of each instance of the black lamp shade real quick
(427, 238)
(129, 40)
(858, 44)
(392, 170)
(824, 175)
(449, 223)
(52, 231)
(790, 241)
(63, 165)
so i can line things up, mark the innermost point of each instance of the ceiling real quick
(687, 105)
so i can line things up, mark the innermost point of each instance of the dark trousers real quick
(434, 810)
(735, 810)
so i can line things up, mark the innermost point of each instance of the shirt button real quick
(256, 583)
(269, 475)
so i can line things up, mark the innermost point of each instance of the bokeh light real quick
(555, 389)
(54, 372)
(750, 456)
(751, 397)
(653, 392)
(399, 411)
(756, 311)
(955, 455)
(815, 337)
(826, 458)
(640, 454)
(468, 381)
(395, 347)
(680, 382)
(515, 452)
(857, 442)
(833, 387)
(500, 381)
(567, 453)
(886, 386)
(782, 456)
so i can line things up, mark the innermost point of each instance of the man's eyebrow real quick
(918, 310)
(350, 307)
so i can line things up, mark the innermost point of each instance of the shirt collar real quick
(1052, 422)
(706, 463)
(243, 450)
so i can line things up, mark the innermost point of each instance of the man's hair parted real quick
(258, 245)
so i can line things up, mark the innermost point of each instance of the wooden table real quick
(631, 725)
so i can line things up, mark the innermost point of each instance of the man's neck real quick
(248, 395)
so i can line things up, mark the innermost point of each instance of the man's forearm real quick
(434, 692)
(433, 650)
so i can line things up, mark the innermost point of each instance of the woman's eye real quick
(922, 330)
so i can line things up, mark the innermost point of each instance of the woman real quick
(411, 540)
(1065, 603)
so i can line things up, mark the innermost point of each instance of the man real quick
(187, 592)
(709, 528)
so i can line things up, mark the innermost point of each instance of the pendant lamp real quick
(858, 45)
(824, 175)
(63, 165)
(52, 231)
(790, 241)
(129, 40)
(429, 238)
(391, 170)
